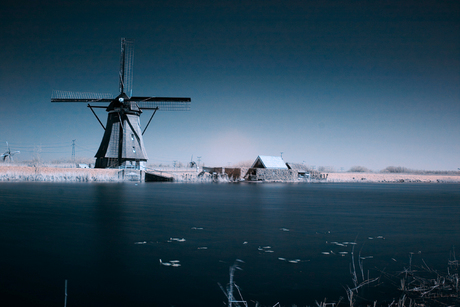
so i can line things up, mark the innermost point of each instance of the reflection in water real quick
(112, 257)
(110, 220)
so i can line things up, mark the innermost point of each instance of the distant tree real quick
(246, 163)
(397, 169)
(359, 169)
(326, 169)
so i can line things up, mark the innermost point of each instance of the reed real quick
(424, 286)
(53, 174)
(418, 286)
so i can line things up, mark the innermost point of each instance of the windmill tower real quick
(122, 145)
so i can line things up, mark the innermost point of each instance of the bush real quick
(326, 169)
(397, 169)
(359, 169)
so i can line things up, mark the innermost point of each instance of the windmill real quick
(8, 154)
(122, 144)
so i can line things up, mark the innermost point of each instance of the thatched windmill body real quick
(122, 145)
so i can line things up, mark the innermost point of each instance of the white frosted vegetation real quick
(50, 174)
(392, 178)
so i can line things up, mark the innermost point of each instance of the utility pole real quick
(73, 150)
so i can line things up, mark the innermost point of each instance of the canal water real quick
(293, 242)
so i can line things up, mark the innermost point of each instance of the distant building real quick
(270, 169)
(301, 170)
(269, 162)
(307, 173)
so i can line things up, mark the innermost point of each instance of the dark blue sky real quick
(331, 83)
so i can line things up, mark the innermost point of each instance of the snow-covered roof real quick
(271, 162)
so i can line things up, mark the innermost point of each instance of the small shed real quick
(301, 169)
(270, 169)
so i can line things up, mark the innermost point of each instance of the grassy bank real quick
(55, 174)
(392, 178)
(68, 174)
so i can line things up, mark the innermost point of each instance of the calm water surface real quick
(89, 235)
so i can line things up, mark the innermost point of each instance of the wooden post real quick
(65, 293)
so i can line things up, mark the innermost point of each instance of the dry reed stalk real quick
(53, 174)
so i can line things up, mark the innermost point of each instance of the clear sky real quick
(328, 83)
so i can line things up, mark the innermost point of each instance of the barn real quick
(270, 169)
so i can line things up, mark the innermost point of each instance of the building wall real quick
(272, 175)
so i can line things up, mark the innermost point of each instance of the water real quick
(87, 234)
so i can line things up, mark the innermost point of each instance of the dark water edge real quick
(86, 233)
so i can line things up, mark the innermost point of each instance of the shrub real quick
(396, 169)
(359, 169)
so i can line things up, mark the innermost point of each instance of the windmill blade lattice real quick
(163, 103)
(126, 67)
(67, 96)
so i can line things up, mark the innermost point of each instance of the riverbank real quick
(391, 178)
(56, 174)
(67, 174)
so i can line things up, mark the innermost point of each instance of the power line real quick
(73, 151)
(84, 148)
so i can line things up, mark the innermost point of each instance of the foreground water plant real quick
(414, 286)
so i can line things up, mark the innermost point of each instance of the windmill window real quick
(134, 149)
(132, 137)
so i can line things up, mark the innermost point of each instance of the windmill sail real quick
(8, 154)
(163, 103)
(66, 96)
(126, 67)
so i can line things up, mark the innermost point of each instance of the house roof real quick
(270, 162)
